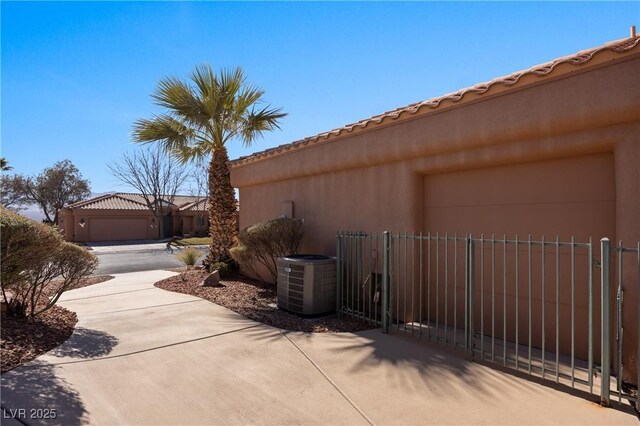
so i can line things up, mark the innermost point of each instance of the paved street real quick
(134, 261)
(142, 355)
(118, 259)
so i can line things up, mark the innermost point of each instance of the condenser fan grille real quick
(307, 284)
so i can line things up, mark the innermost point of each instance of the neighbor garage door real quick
(566, 197)
(113, 229)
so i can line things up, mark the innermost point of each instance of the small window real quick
(200, 221)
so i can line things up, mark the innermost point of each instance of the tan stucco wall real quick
(375, 180)
(374, 202)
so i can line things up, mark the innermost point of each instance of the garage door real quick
(567, 197)
(114, 229)
(564, 198)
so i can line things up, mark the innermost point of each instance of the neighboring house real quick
(123, 216)
(550, 151)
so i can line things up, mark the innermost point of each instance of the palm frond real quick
(231, 82)
(260, 121)
(204, 78)
(248, 97)
(178, 97)
(171, 133)
(4, 165)
(197, 153)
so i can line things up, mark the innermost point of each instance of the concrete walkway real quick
(142, 355)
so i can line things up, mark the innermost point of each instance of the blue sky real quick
(76, 75)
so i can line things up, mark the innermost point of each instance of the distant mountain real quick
(32, 212)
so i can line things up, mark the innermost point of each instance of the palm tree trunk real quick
(222, 208)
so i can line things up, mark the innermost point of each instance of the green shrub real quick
(245, 257)
(262, 243)
(70, 263)
(32, 255)
(24, 242)
(189, 256)
(224, 269)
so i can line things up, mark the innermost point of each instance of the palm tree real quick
(200, 118)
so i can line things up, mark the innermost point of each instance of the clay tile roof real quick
(542, 70)
(116, 201)
(183, 201)
(128, 201)
(198, 205)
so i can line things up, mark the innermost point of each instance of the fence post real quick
(605, 345)
(638, 329)
(338, 272)
(386, 254)
(470, 292)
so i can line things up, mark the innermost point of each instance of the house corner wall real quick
(65, 223)
(627, 176)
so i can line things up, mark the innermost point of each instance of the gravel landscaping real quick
(257, 301)
(22, 340)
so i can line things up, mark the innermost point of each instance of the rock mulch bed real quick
(22, 340)
(257, 301)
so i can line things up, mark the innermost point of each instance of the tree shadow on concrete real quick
(85, 343)
(36, 387)
(426, 367)
(419, 366)
(435, 364)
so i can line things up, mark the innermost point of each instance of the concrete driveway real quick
(141, 355)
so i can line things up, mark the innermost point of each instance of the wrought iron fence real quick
(359, 284)
(528, 304)
(627, 274)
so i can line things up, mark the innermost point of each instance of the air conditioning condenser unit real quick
(307, 284)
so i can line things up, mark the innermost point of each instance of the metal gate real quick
(541, 307)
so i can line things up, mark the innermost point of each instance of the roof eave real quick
(557, 68)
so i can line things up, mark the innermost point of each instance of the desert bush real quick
(262, 243)
(32, 256)
(224, 269)
(189, 256)
(24, 242)
(245, 257)
(69, 264)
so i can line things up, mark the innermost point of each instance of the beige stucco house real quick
(553, 150)
(123, 216)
